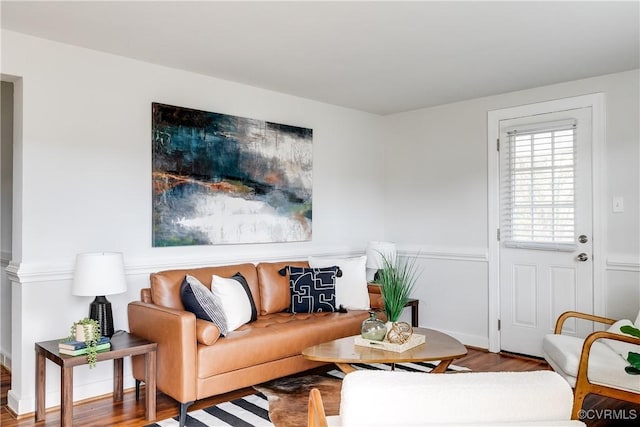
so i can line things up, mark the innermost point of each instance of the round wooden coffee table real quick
(343, 351)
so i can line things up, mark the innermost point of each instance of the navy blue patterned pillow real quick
(312, 289)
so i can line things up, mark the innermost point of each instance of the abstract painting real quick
(222, 179)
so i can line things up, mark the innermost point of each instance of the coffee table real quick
(343, 352)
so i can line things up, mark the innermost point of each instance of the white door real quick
(546, 226)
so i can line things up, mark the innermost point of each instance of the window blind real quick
(537, 186)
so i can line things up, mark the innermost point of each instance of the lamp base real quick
(100, 311)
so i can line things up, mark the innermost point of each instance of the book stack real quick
(77, 348)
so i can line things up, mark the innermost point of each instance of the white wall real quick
(83, 179)
(6, 191)
(436, 199)
(86, 170)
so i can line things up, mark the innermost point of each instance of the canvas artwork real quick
(222, 179)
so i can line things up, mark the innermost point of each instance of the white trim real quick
(623, 262)
(41, 272)
(596, 102)
(5, 360)
(467, 339)
(444, 253)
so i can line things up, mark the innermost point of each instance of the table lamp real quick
(375, 251)
(99, 274)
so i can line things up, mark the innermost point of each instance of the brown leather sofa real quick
(194, 362)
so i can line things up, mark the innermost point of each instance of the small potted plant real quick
(397, 279)
(87, 330)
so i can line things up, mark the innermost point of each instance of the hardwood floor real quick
(602, 412)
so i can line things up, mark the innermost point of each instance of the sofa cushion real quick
(275, 295)
(605, 366)
(273, 337)
(313, 290)
(622, 348)
(235, 300)
(199, 300)
(351, 287)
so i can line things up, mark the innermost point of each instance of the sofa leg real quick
(183, 412)
(138, 390)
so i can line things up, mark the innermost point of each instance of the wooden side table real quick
(122, 344)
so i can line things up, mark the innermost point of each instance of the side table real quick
(122, 344)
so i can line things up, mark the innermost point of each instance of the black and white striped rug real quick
(253, 410)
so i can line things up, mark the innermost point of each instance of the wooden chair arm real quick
(593, 337)
(568, 314)
(316, 416)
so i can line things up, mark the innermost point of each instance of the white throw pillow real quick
(622, 348)
(234, 301)
(351, 288)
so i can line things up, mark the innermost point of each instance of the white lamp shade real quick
(99, 273)
(375, 251)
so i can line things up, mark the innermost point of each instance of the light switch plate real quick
(618, 204)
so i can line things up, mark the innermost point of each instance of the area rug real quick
(283, 402)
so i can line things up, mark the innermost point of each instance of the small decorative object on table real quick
(373, 328)
(399, 333)
(84, 338)
(413, 341)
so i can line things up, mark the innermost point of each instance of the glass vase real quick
(373, 328)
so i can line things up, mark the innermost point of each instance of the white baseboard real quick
(5, 360)
(82, 392)
(467, 339)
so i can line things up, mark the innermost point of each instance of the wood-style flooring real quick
(603, 412)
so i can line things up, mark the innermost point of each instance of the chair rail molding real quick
(27, 272)
(444, 253)
(623, 262)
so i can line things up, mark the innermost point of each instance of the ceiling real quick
(380, 57)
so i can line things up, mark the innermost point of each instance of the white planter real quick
(80, 332)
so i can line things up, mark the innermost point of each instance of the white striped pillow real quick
(199, 300)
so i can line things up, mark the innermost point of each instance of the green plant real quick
(91, 329)
(397, 279)
(632, 358)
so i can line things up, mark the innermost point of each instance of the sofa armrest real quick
(375, 296)
(175, 333)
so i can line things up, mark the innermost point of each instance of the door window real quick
(538, 187)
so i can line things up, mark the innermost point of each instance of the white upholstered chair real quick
(594, 364)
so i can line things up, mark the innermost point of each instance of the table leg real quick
(66, 397)
(41, 377)
(442, 367)
(346, 368)
(414, 312)
(150, 385)
(118, 385)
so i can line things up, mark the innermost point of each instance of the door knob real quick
(583, 257)
(583, 239)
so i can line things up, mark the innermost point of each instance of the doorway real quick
(544, 207)
(6, 217)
